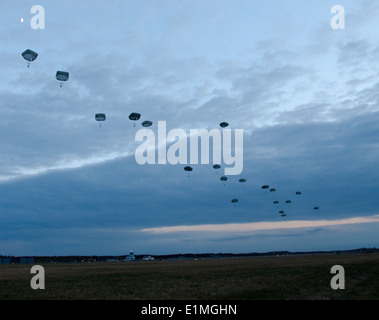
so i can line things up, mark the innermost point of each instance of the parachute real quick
(265, 187)
(234, 200)
(224, 178)
(188, 169)
(134, 116)
(224, 124)
(242, 180)
(298, 193)
(288, 201)
(100, 117)
(62, 76)
(29, 55)
(272, 190)
(147, 123)
(275, 202)
(216, 166)
(316, 208)
(281, 212)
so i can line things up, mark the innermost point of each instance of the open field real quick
(300, 277)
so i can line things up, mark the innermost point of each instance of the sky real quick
(305, 94)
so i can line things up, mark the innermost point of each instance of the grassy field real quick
(294, 277)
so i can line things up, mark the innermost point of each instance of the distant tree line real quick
(95, 258)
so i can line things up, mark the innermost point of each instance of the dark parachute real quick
(265, 187)
(100, 117)
(224, 178)
(29, 55)
(281, 212)
(134, 116)
(276, 202)
(242, 180)
(188, 169)
(234, 200)
(298, 193)
(224, 124)
(147, 123)
(272, 190)
(288, 201)
(216, 166)
(316, 208)
(62, 76)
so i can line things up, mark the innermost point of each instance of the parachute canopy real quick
(62, 75)
(272, 189)
(275, 202)
(216, 166)
(29, 55)
(188, 168)
(100, 116)
(265, 186)
(234, 200)
(147, 123)
(281, 211)
(288, 201)
(316, 208)
(298, 192)
(242, 180)
(223, 178)
(134, 116)
(224, 124)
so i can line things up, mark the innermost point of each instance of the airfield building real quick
(130, 257)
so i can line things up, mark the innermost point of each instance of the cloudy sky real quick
(306, 96)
